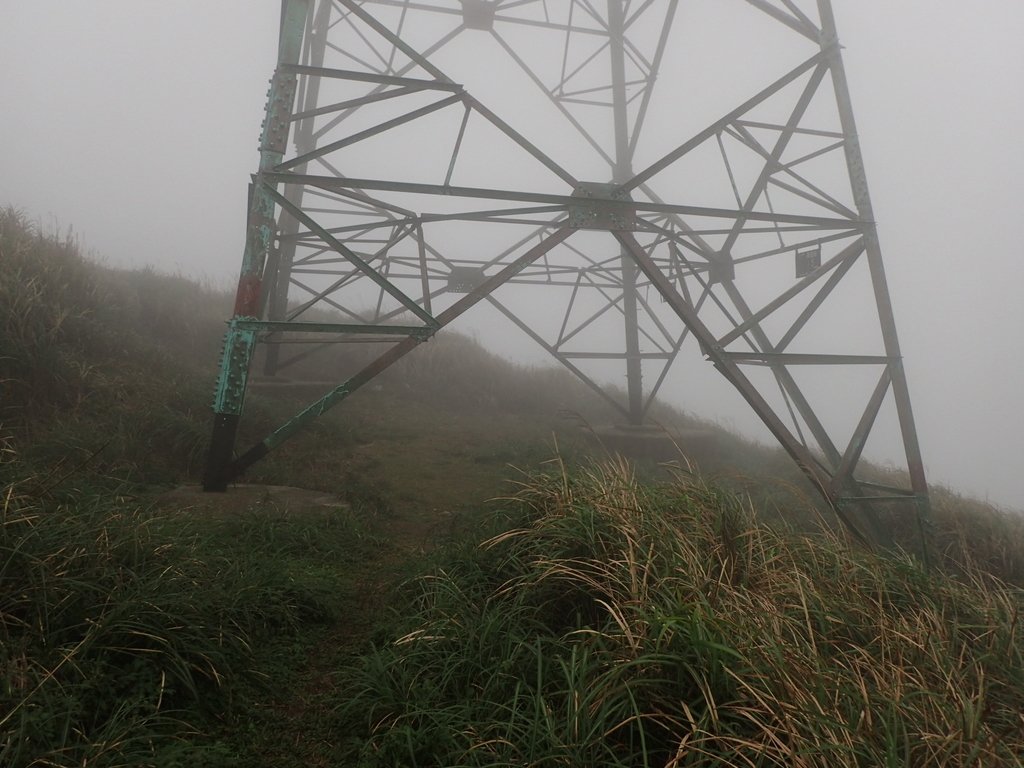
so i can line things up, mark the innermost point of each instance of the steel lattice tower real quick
(593, 210)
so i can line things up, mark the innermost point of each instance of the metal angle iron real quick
(422, 157)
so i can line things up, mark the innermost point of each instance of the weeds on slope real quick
(615, 624)
(126, 634)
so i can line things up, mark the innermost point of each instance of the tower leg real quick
(239, 344)
(222, 448)
(227, 406)
(279, 265)
(623, 172)
(634, 372)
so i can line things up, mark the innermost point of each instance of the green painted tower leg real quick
(229, 396)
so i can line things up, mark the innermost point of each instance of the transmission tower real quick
(421, 157)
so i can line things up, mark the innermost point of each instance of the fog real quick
(136, 123)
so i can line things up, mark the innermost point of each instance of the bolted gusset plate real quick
(601, 206)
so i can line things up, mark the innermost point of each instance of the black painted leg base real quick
(222, 448)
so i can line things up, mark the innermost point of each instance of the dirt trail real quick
(244, 496)
(294, 719)
(405, 528)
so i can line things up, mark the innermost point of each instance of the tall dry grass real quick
(622, 624)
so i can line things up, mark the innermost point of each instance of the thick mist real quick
(137, 124)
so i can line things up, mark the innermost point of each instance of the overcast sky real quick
(136, 123)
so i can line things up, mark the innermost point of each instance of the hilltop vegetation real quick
(591, 618)
(613, 623)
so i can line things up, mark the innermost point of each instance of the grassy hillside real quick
(590, 618)
(114, 370)
(613, 623)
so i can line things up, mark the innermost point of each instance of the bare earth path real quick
(292, 720)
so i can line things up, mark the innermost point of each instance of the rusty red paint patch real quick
(247, 300)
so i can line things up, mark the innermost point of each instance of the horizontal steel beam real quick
(369, 77)
(614, 355)
(291, 326)
(335, 183)
(785, 358)
(517, 20)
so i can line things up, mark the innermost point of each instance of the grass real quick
(620, 624)
(130, 634)
(101, 631)
(606, 615)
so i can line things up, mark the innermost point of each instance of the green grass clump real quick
(617, 624)
(603, 622)
(126, 633)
